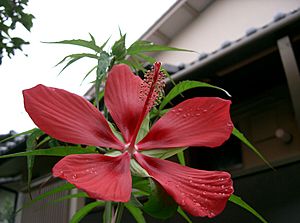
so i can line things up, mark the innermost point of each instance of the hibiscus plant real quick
(115, 146)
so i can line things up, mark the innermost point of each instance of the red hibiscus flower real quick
(195, 122)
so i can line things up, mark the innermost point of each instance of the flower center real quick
(131, 149)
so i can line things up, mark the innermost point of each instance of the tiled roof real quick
(12, 144)
(278, 19)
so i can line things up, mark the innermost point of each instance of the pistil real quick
(147, 104)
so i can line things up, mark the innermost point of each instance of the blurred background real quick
(251, 48)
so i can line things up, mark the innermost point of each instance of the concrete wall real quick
(221, 21)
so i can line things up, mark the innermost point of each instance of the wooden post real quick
(292, 73)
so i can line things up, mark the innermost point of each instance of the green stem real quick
(105, 112)
(107, 216)
(119, 212)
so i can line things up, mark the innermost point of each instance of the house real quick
(252, 51)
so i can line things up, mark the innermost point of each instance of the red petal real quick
(194, 122)
(122, 99)
(199, 192)
(101, 177)
(68, 117)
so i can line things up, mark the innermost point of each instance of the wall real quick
(44, 210)
(224, 20)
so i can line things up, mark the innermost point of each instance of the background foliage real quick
(12, 13)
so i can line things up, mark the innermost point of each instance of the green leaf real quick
(116, 132)
(136, 213)
(68, 64)
(169, 76)
(183, 86)
(79, 42)
(77, 56)
(32, 140)
(144, 129)
(31, 144)
(18, 42)
(103, 64)
(85, 210)
(55, 151)
(129, 63)
(16, 135)
(119, 48)
(26, 20)
(92, 39)
(160, 205)
(70, 196)
(142, 46)
(241, 137)
(137, 65)
(237, 200)
(104, 44)
(181, 158)
(119, 212)
(158, 113)
(141, 184)
(107, 215)
(88, 73)
(64, 187)
(147, 58)
(134, 201)
(137, 170)
(100, 96)
(163, 153)
(184, 215)
(73, 58)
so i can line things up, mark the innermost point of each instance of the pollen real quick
(153, 83)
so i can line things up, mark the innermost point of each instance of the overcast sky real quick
(60, 20)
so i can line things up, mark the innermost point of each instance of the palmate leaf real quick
(85, 210)
(55, 151)
(183, 86)
(142, 46)
(238, 201)
(241, 137)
